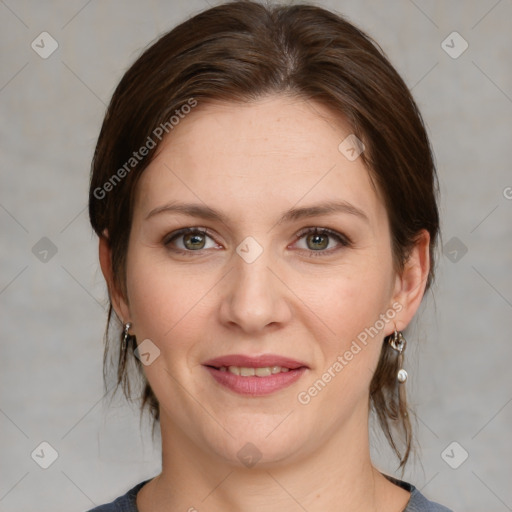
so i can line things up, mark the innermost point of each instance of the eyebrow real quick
(205, 212)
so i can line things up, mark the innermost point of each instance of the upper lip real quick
(260, 361)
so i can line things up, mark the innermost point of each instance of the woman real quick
(265, 198)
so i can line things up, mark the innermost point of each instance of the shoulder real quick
(125, 503)
(417, 502)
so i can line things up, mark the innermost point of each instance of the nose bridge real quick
(255, 298)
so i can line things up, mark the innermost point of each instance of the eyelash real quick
(343, 240)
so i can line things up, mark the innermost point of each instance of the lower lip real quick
(256, 386)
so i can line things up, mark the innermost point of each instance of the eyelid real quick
(342, 238)
(184, 231)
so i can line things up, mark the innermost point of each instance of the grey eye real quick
(317, 241)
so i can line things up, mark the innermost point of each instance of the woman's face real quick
(256, 329)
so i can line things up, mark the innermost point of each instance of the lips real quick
(255, 376)
(266, 360)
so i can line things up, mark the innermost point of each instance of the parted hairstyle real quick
(240, 52)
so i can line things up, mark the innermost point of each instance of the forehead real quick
(266, 154)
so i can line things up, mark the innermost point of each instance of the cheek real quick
(353, 307)
(168, 304)
(351, 299)
(357, 308)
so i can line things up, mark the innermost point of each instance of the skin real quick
(254, 162)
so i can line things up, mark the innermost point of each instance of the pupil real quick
(197, 241)
(317, 239)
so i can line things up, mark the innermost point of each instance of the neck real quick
(338, 475)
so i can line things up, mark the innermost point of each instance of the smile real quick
(255, 376)
(245, 371)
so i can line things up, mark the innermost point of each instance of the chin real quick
(261, 445)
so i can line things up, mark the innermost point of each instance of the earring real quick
(398, 343)
(126, 335)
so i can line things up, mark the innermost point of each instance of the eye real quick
(322, 241)
(318, 241)
(189, 240)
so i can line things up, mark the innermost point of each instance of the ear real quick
(410, 284)
(119, 303)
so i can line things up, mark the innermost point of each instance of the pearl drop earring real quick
(398, 343)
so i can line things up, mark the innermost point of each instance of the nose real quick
(255, 297)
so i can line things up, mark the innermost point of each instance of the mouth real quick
(255, 376)
(247, 371)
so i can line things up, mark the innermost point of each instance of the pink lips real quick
(253, 385)
(254, 362)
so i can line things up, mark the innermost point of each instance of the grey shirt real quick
(417, 502)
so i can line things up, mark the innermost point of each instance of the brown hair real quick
(239, 52)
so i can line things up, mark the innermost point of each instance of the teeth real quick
(251, 372)
(234, 369)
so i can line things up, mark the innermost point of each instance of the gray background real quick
(53, 305)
